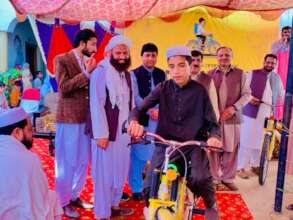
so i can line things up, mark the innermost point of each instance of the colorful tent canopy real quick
(122, 10)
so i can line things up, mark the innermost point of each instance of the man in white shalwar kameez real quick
(24, 188)
(110, 103)
(266, 87)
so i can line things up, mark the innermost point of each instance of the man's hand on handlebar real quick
(135, 130)
(215, 142)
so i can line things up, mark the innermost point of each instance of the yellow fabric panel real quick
(249, 35)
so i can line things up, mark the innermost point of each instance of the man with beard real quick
(72, 71)
(204, 79)
(110, 102)
(24, 188)
(266, 87)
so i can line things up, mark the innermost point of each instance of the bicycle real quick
(170, 198)
(271, 133)
(210, 45)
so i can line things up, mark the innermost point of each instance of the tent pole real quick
(284, 138)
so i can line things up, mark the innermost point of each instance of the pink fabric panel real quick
(38, 6)
(133, 9)
(283, 61)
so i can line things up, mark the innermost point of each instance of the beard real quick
(27, 143)
(86, 52)
(268, 70)
(120, 67)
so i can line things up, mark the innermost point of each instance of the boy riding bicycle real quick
(185, 113)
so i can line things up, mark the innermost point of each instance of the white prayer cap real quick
(12, 116)
(116, 40)
(178, 51)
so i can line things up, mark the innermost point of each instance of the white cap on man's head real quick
(12, 116)
(117, 40)
(178, 51)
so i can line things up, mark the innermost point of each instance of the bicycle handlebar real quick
(173, 143)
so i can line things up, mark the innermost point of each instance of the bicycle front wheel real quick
(264, 159)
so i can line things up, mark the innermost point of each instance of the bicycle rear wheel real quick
(264, 160)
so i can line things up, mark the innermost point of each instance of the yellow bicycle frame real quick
(180, 209)
(272, 129)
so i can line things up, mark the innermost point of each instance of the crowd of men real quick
(224, 107)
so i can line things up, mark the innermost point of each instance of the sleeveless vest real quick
(257, 85)
(144, 84)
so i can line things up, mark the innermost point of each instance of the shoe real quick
(70, 212)
(81, 204)
(231, 186)
(125, 197)
(255, 170)
(243, 174)
(121, 212)
(137, 196)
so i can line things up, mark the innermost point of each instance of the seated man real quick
(185, 113)
(23, 185)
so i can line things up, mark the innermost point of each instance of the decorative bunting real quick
(58, 38)
(121, 24)
(56, 47)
